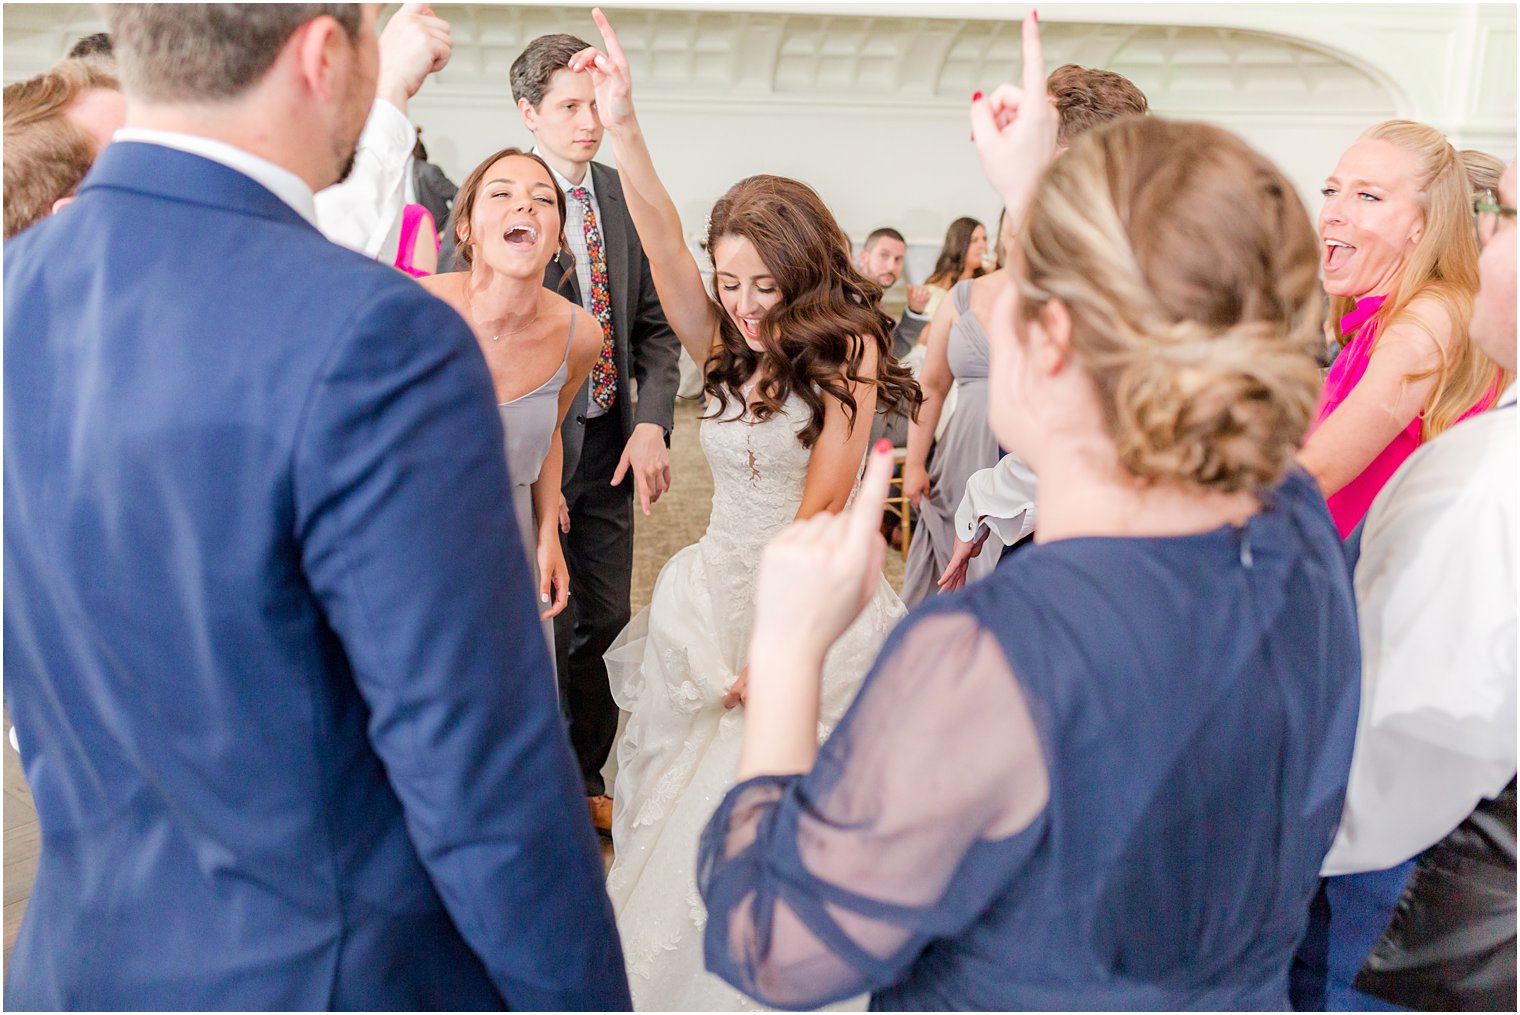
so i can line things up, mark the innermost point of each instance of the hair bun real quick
(1189, 269)
(1207, 409)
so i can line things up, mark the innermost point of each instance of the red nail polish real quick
(976, 96)
(883, 447)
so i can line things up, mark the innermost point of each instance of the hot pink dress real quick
(414, 219)
(1349, 504)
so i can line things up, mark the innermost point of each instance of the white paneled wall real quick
(867, 102)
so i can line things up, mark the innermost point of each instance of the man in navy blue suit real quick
(288, 717)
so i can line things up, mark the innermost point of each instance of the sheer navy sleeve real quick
(919, 810)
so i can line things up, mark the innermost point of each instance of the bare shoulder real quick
(1426, 320)
(986, 289)
(586, 339)
(448, 286)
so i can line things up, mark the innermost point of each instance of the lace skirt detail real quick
(669, 670)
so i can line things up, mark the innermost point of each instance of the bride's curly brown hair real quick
(815, 338)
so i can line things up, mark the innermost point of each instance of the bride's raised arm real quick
(677, 278)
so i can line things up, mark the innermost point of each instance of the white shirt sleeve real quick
(1002, 498)
(363, 212)
(1435, 589)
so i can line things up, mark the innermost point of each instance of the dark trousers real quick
(599, 554)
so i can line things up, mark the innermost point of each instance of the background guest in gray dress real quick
(956, 354)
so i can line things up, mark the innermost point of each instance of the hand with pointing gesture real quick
(815, 578)
(818, 574)
(1015, 128)
(610, 76)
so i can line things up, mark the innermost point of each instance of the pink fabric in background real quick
(414, 217)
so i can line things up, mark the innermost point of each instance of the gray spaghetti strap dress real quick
(966, 446)
(528, 423)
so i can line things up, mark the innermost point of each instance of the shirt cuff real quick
(388, 130)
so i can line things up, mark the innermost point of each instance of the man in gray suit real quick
(881, 261)
(614, 447)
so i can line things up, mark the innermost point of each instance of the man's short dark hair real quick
(98, 44)
(1087, 98)
(536, 64)
(885, 232)
(200, 52)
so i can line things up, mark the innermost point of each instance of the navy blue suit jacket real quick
(282, 694)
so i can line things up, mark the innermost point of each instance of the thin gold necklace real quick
(537, 313)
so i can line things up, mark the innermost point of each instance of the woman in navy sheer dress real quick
(1105, 776)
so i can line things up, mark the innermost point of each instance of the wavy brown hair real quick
(815, 339)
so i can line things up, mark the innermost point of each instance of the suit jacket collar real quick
(180, 176)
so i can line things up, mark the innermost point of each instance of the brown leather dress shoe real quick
(601, 813)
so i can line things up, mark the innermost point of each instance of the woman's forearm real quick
(781, 711)
(546, 490)
(921, 430)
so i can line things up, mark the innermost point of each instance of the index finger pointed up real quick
(1034, 56)
(865, 514)
(614, 50)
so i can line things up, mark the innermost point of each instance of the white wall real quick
(868, 102)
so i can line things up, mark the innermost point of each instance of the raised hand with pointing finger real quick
(1015, 128)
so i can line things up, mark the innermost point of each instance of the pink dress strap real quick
(413, 216)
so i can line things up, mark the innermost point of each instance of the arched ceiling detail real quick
(710, 55)
(761, 54)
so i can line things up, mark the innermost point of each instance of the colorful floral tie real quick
(604, 372)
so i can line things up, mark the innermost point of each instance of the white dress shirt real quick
(1435, 589)
(363, 212)
(1001, 498)
(278, 180)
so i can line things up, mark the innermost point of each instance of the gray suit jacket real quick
(646, 348)
(905, 335)
(894, 426)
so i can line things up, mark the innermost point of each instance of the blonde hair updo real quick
(1189, 268)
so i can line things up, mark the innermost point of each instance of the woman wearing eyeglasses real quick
(1400, 258)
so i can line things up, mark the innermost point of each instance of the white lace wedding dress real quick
(670, 669)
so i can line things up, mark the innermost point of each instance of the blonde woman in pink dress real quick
(1400, 257)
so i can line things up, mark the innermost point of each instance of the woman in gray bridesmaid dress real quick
(957, 354)
(539, 346)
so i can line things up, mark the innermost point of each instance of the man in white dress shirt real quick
(1435, 752)
(363, 211)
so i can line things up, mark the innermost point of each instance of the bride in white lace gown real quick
(796, 356)
(670, 670)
